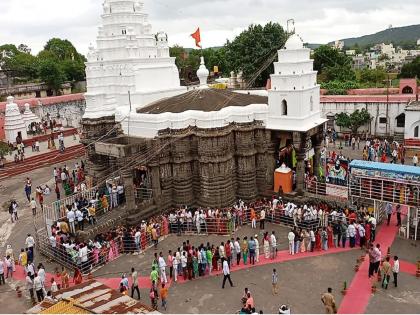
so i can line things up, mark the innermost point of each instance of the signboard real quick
(337, 191)
(337, 172)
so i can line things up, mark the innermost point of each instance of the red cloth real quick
(317, 241)
(197, 36)
(330, 237)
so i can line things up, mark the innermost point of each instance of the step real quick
(43, 160)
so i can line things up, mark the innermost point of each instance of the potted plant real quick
(344, 291)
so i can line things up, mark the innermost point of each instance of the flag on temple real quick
(197, 37)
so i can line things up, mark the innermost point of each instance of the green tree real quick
(353, 121)
(180, 55)
(4, 149)
(66, 56)
(20, 65)
(252, 50)
(411, 70)
(51, 73)
(373, 77)
(332, 65)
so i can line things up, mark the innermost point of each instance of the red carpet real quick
(359, 291)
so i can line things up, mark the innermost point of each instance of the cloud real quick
(34, 22)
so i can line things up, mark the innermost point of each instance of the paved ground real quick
(43, 147)
(402, 300)
(300, 281)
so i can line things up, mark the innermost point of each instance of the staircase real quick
(34, 162)
(399, 137)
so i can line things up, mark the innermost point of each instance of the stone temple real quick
(195, 147)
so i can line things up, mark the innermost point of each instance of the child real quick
(153, 299)
(274, 280)
(163, 295)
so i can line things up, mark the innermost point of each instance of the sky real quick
(33, 22)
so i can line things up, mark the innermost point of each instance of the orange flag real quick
(197, 37)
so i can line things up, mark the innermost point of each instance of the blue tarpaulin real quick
(386, 167)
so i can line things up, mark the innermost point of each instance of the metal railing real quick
(143, 194)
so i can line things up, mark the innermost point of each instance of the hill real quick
(406, 35)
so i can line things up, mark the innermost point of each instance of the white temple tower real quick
(128, 58)
(294, 97)
(29, 117)
(14, 125)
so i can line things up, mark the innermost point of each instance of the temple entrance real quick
(142, 183)
(407, 90)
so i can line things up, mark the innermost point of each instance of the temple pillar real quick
(317, 145)
(127, 181)
(299, 140)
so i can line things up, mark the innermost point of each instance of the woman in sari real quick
(64, 278)
(330, 236)
(318, 243)
(266, 244)
(77, 278)
(215, 258)
(195, 265)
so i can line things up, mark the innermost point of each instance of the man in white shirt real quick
(273, 245)
(32, 204)
(237, 250)
(39, 288)
(71, 217)
(80, 219)
(312, 238)
(262, 219)
(372, 221)
(352, 234)
(257, 248)
(83, 256)
(162, 265)
(396, 270)
(226, 273)
(415, 160)
(30, 242)
(291, 238)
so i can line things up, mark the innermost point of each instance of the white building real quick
(128, 58)
(14, 125)
(293, 101)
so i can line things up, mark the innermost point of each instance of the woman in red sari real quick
(77, 278)
(143, 239)
(368, 229)
(317, 240)
(330, 236)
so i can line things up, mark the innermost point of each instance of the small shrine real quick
(29, 117)
(14, 125)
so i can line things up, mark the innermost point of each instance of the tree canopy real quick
(58, 62)
(411, 70)
(353, 121)
(250, 50)
(332, 65)
(248, 53)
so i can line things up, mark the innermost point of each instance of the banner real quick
(337, 191)
(337, 172)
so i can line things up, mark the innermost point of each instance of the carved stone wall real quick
(214, 167)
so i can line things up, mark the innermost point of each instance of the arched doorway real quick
(407, 90)
(400, 119)
(284, 108)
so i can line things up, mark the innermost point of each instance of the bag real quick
(152, 294)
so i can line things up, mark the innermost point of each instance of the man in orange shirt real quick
(253, 219)
(163, 295)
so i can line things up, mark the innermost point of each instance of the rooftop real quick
(91, 297)
(206, 100)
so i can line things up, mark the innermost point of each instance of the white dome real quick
(203, 73)
(294, 42)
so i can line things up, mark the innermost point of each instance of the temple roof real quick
(202, 100)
